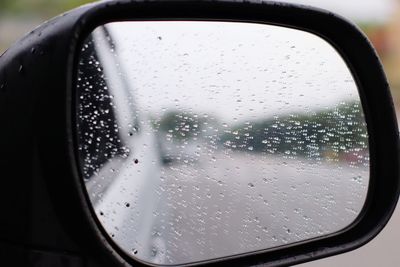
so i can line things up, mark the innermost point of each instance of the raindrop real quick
(153, 252)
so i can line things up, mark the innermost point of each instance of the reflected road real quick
(233, 203)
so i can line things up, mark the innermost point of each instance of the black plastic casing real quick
(46, 213)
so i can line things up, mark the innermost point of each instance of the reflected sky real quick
(247, 69)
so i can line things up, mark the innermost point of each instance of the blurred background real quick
(380, 21)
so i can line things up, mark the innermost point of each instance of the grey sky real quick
(232, 70)
(356, 10)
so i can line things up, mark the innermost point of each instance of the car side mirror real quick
(196, 132)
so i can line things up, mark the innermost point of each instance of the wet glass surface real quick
(201, 140)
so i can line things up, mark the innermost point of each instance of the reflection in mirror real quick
(201, 140)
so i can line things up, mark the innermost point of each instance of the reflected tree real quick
(337, 133)
(181, 125)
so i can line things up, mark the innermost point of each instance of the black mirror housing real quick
(50, 210)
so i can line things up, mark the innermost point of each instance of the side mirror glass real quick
(201, 140)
